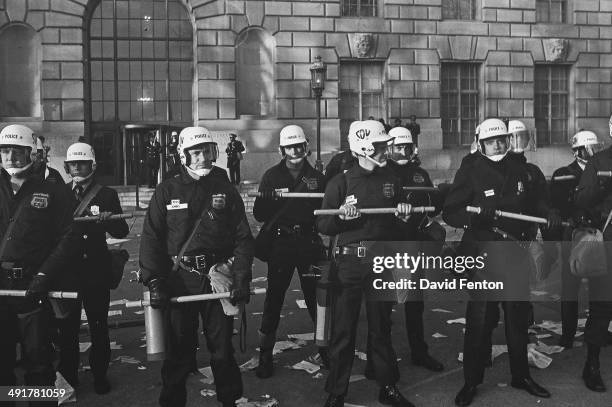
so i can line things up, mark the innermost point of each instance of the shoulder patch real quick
(388, 190)
(418, 178)
(311, 183)
(218, 201)
(39, 200)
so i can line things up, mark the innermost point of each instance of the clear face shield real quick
(401, 153)
(495, 148)
(520, 141)
(584, 153)
(16, 159)
(380, 155)
(202, 157)
(295, 153)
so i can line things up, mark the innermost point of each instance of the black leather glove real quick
(487, 214)
(38, 288)
(268, 194)
(240, 295)
(554, 219)
(158, 295)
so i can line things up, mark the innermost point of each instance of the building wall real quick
(411, 39)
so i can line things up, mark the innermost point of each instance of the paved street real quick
(136, 382)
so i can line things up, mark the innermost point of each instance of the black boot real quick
(391, 396)
(590, 373)
(465, 395)
(334, 401)
(368, 372)
(530, 386)
(101, 385)
(324, 357)
(265, 369)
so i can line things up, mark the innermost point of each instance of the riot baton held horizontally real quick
(154, 322)
(52, 294)
(374, 211)
(563, 178)
(97, 218)
(512, 215)
(279, 194)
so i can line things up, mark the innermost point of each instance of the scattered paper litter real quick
(542, 336)
(262, 401)
(117, 302)
(456, 321)
(548, 349)
(318, 376)
(127, 359)
(144, 345)
(115, 312)
(306, 366)
(555, 297)
(361, 355)
(315, 358)
(352, 405)
(296, 291)
(578, 334)
(259, 279)
(249, 364)
(207, 393)
(538, 293)
(439, 335)
(301, 303)
(114, 345)
(309, 336)
(257, 313)
(282, 346)
(582, 322)
(537, 359)
(502, 384)
(142, 368)
(69, 395)
(208, 375)
(355, 378)
(139, 312)
(441, 310)
(112, 241)
(83, 346)
(552, 326)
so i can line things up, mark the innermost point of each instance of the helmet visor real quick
(520, 140)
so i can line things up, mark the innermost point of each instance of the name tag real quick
(351, 200)
(489, 192)
(95, 210)
(281, 190)
(176, 204)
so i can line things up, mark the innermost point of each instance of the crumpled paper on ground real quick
(250, 364)
(306, 366)
(361, 355)
(548, 349)
(208, 375)
(263, 401)
(61, 383)
(309, 336)
(282, 346)
(456, 321)
(537, 359)
(207, 393)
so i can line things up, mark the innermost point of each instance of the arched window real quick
(141, 61)
(20, 60)
(255, 73)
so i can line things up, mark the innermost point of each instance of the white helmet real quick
(191, 137)
(20, 136)
(584, 138)
(80, 152)
(401, 135)
(520, 135)
(363, 134)
(492, 128)
(292, 134)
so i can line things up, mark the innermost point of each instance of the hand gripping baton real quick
(421, 189)
(302, 195)
(511, 215)
(374, 211)
(192, 298)
(52, 294)
(97, 218)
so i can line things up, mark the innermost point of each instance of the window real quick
(255, 73)
(361, 94)
(359, 8)
(551, 103)
(141, 61)
(20, 56)
(459, 103)
(551, 11)
(459, 9)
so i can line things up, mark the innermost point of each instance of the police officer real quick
(51, 173)
(295, 243)
(584, 145)
(495, 181)
(234, 152)
(223, 233)
(431, 236)
(37, 244)
(152, 150)
(90, 269)
(366, 185)
(594, 194)
(339, 164)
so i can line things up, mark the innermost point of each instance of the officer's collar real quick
(84, 185)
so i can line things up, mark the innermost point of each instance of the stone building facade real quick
(243, 66)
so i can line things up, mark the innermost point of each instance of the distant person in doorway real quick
(152, 151)
(234, 152)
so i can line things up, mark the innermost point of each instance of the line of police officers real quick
(197, 219)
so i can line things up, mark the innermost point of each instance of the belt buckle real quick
(200, 261)
(16, 273)
(361, 251)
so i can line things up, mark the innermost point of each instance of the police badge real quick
(519, 188)
(95, 210)
(418, 178)
(218, 201)
(388, 190)
(39, 200)
(311, 183)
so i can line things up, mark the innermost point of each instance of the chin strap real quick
(378, 164)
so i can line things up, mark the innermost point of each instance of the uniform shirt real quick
(299, 211)
(174, 208)
(380, 188)
(594, 193)
(93, 262)
(339, 164)
(503, 185)
(42, 239)
(220, 173)
(53, 175)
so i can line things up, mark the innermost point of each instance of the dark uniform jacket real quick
(380, 188)
(42, 240)
(232, 150)
(299, 211)
(54, 175)
(92, 266)
(219, 172)
(174, 208)
(594, 193)
(504, 185)
(339, 163)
